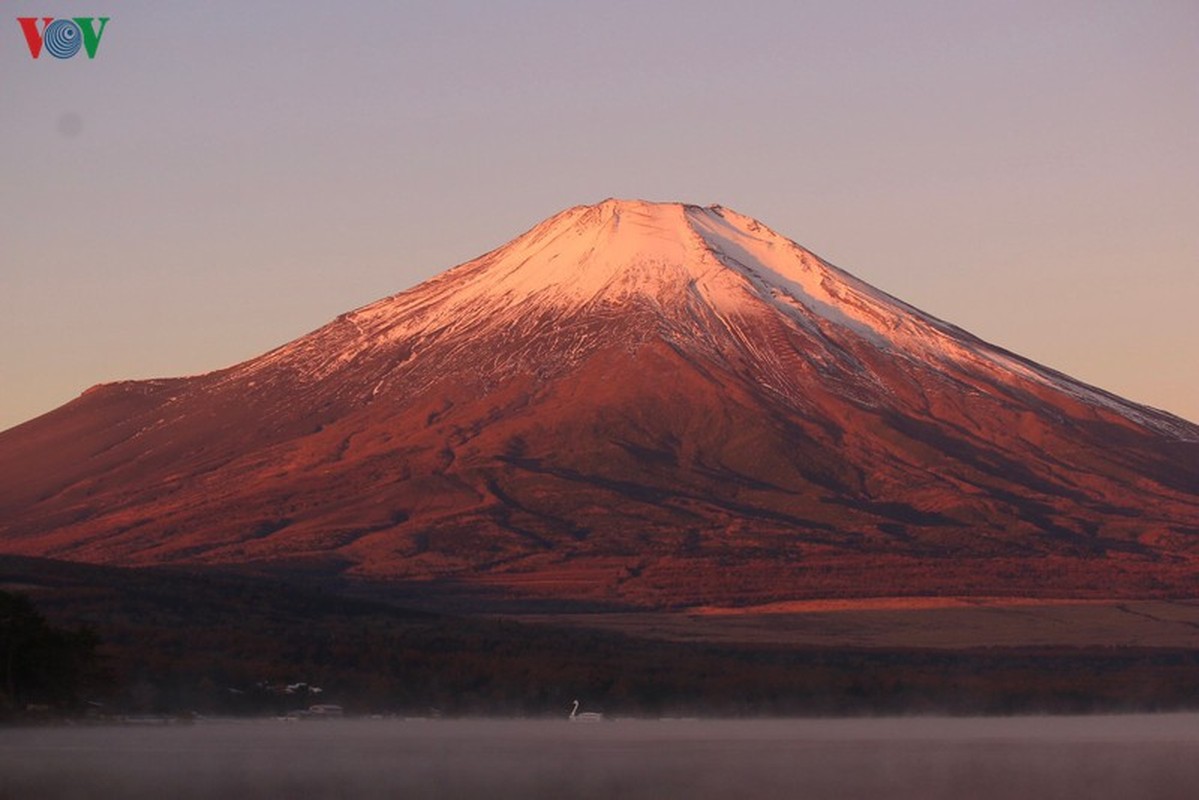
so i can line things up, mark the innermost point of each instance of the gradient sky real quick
(226, 176)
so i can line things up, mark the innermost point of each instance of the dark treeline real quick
(43, 666)
(178, 642)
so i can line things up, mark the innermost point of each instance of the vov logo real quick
(62, 38)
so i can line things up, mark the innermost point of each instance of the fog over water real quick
(1136, 756)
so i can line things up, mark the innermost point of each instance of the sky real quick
(226, 176)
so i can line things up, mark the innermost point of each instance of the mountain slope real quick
(649, 404)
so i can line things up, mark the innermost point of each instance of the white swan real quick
(586, 716)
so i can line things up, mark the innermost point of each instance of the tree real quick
(41, 664)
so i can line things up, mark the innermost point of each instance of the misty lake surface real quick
(1135, 756)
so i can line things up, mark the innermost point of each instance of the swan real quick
(586, 716)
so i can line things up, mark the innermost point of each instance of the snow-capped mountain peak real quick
(644, 403)
(704, 278)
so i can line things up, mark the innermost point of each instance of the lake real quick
(1134, 756)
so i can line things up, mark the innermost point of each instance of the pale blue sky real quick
(225, 176)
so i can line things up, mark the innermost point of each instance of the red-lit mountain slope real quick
(654, 404)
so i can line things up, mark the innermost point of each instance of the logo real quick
(63, 38)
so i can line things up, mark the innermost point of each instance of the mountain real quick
(643, 404)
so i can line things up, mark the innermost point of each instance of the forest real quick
(43, 667)
(105, 642)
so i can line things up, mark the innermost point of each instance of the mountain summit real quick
(650, 404)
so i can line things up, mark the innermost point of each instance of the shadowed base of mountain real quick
(202, 641)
